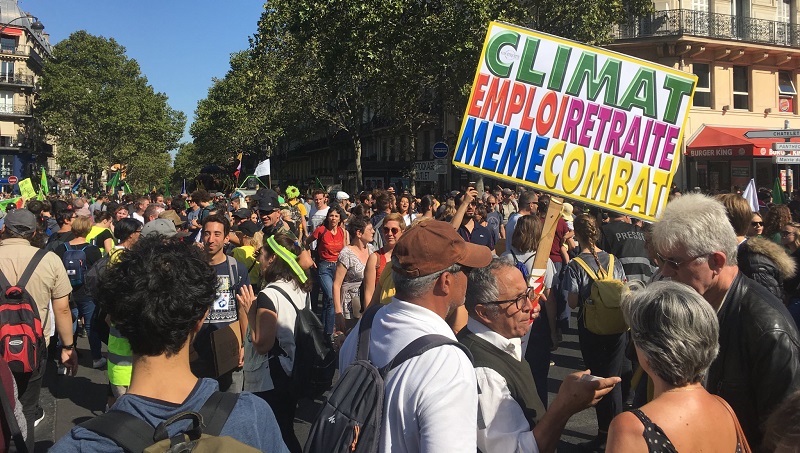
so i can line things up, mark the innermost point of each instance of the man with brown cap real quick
(425, 394)
(48, 282)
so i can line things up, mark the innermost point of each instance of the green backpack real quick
(133, 434)
(602, 314)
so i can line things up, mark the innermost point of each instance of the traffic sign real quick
(13, 179)
(775, 133)
(786, 146)
(786, 160)
(440, 150)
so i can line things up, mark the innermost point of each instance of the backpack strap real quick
(128, 431)
(280, 290)
(134, 435)
(364, 330)
(216, 410)
(585, 267)
(233, 271)
(28, 272)
(420, 346)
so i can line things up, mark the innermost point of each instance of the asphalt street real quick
(68, 401)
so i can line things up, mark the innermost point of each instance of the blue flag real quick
(77, 183)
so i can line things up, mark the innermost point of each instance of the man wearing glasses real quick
(431, 400)
(758, 364)
(512, 417)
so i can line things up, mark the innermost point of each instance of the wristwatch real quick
(68, 347)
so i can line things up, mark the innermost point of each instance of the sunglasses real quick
(787, 233)
(393, 230)
(266, 213)
(756, 224)
(257, 253)
(674, 265)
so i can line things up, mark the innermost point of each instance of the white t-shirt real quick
(431, 400)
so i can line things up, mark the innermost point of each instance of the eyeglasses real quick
(393, 230)
(675, 265)
(519, 301)
(787, 233)
(756, 224)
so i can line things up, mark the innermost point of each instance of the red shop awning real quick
(721, 141)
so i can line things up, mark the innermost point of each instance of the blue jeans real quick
(326, 270)
(86, 308)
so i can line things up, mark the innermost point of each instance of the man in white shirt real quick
(512, 416)
(431, 400)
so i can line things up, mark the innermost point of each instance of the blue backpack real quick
(75, 262)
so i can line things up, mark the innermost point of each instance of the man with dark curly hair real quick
(157, 295)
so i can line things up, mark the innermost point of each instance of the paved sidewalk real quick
(68, 401)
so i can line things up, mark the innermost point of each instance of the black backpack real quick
(91, 282)
(76, 264)
(314, 358)
(351, 418)
(22, 342)
(135, 435)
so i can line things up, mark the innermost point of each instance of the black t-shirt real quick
(57, 239)
(100, 239)
(93, 255)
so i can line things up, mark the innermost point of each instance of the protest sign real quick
(574, 120)
(26, 189)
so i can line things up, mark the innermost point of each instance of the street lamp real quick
(35, 26)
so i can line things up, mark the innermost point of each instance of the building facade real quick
(23, 50)
(746, 55)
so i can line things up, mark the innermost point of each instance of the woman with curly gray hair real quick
(675, 332)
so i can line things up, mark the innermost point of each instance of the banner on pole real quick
(575, 120)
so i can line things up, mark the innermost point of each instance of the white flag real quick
(263, 168)
(751, 195)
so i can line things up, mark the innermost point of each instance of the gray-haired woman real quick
(675, 332)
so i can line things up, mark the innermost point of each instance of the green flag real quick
(114, 182)
(167, 192)
(44, 188)
(777, 192)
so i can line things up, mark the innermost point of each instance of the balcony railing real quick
(677, 22)
(14, 50)
(10, 109)
(16, 79)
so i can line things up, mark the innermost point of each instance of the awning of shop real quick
(721, 141)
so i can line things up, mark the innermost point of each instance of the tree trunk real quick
(411, 157)
(359, 173)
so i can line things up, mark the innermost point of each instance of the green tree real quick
(101, 110)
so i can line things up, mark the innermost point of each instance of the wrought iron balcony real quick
(14, 50)
(678, 22)
(16, 79)
(18, 110)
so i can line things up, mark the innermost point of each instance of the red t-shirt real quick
(561, 229)
(328, 244)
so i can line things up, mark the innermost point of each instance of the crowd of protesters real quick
(713, 314)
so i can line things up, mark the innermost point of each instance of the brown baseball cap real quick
(432, 246)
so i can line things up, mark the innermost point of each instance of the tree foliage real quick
(101, 110)
(345, 65)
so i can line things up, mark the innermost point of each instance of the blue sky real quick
(179, 44)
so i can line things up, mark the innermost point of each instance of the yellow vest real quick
(120, 356)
